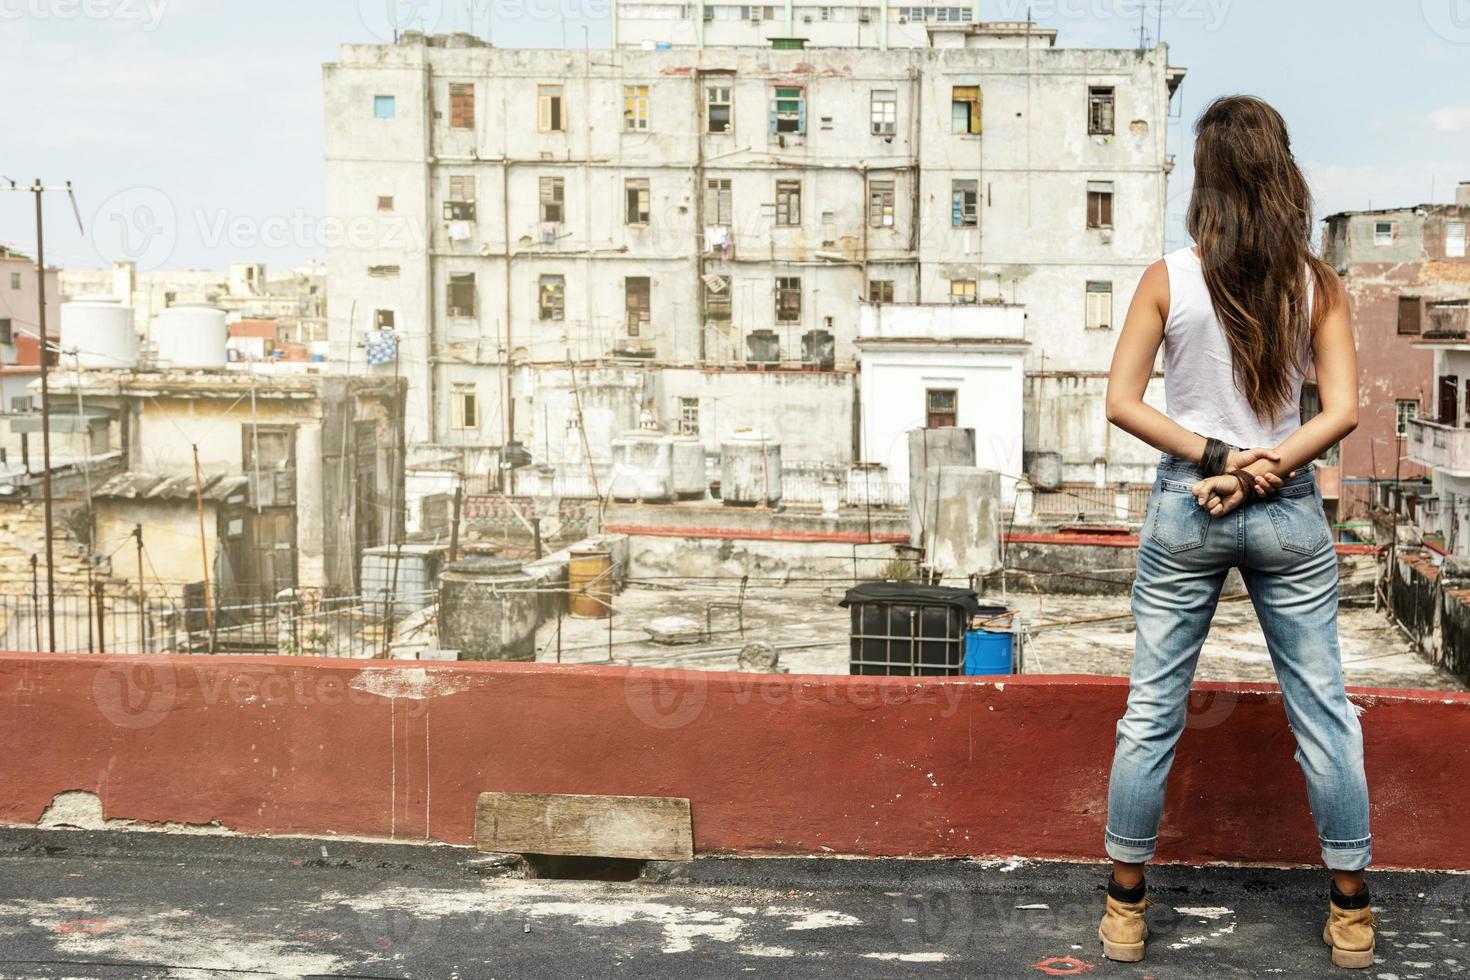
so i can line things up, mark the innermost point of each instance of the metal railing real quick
(112, 621)
(1090, 503)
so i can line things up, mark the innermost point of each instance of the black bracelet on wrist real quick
(1213, 460)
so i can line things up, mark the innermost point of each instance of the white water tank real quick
(642, 466)
(690, 481)
(97, 332)
(191, 335)
(750, 469)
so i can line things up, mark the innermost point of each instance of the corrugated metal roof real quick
(145, 486)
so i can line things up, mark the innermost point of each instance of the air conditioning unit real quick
(1107, 236)
(806, 18)
(864, 17)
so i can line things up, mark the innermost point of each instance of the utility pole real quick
(38, 189)
(203, 545)
(142, 594)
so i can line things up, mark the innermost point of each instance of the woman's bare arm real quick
(1133, 366)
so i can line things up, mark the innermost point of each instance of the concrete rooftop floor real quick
(146, 906)
(805, 618)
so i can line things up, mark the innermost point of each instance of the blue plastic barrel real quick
(988, 653)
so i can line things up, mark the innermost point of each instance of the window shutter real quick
(543, 113)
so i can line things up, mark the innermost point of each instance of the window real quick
(1099, 204)
(718, 201)
(464, 406)
(461, 203)
(1409, 315)
(1454, 240)
(383, 271)
(1100, 102)
(385, 107)
(385, 319)
(1449, 399)
(788, 202)
(461, 105)
(1384, 232)
(689, 416)
(962, 290)
(635, 108)
(550, 112)
(551, 297)
(636, 198)
(7, 333)
(717, 299)
(1099, 306)
(880, 291)
(385, 202)
(941, 408)
(788, 299)
(964, 109)
(719, 109)
(883, 112)
(553, 199)
(1405, 411)
(15, 280)
(788, 110)
(462, 294)
(636, 304)
(880, 203)
(962, 203)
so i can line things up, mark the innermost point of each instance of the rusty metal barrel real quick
(589, 578)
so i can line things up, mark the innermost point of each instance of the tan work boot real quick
(1123, 929)
(1350, 932)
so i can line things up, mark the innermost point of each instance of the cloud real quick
(1343, 187)
(1451, 119)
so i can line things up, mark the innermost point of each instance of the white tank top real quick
(1199, 382)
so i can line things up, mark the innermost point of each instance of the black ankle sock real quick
(1357, 900)
(1129, 895)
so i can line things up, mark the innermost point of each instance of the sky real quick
(196, 125)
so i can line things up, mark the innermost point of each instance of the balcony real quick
(1440, 447)
(1448, 321)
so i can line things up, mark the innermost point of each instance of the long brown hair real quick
(1251, 215)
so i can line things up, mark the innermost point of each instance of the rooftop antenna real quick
(39, 189)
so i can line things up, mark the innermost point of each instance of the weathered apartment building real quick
(1407, 275)
(687, 225)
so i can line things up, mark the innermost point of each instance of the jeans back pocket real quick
(1297, 516)
(1179, 522)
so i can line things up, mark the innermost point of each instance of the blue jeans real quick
(1283, 548)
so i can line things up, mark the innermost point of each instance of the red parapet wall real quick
(772, 764)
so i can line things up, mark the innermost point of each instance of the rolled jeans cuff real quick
(1130, 850)
(1347, 855)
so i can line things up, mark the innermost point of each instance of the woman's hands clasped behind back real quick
(1221, 494)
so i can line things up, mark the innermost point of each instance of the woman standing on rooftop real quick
(1241, 317)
